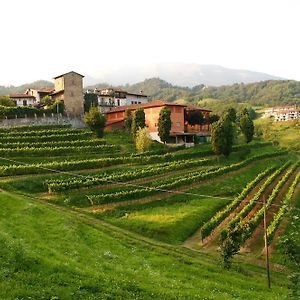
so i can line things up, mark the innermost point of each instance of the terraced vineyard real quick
(182, 197)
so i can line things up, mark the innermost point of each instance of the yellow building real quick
(69, 88)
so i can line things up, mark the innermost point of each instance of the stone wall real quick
(54, 120)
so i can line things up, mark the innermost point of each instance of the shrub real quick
(142, 140)
(95, 121)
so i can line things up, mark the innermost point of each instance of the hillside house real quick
(181, 130)
(110, 97)
(285, 113)
(69, 88)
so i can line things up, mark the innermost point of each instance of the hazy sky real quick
(43, 38)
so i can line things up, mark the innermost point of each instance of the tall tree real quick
(164, 124)
(232, 114)
(90, 100)
(6, 101)
(128, 120)
(222, 135)
(95, 121)
(246, 125)
(138, 121)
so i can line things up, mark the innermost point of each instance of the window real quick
(24, 102)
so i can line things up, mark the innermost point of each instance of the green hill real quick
(52, 253)
(264, 93)
(6, 90)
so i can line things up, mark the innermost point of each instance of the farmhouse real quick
(39, 94)
(23, 99)
(182, 131)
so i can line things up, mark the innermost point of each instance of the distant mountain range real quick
(181, 74)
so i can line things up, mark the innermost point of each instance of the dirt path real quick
(256, 243)
(160, 196)
(194, 242)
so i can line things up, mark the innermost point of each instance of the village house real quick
(181, 130)
(68, 87)
(111, 97)
(23, 99)
(285, 113)
(39, 94)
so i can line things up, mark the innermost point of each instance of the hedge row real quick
(34, 127)
(283, 209)
(68, 184)
(47, 138)
(209, 226)
(73, 165)
(54, 144)
(11, 152)
(171, 183)
(24, 111)
(33, 133)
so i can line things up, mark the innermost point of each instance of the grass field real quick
(285, 134)
(111, 224)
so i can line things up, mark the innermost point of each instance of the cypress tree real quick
(246, 125)
(138, 121)
(222, 135)
(128, 120)
(164, 124)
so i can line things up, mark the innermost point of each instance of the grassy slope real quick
(174, 219)
(46, 252)
(286, 134)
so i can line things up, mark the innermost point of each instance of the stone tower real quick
(69, 88)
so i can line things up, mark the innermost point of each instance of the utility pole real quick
(266, 244)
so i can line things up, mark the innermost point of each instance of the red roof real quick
(156, 103)
(21, 96)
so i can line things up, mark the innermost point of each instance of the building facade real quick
(69, 88)
(23, 99)
(285, 113)
(181, 131)
(109, 98)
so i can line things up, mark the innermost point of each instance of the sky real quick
(42, 39)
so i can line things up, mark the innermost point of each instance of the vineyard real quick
(182, 197)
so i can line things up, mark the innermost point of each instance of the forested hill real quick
(265, 93)
(6, 90)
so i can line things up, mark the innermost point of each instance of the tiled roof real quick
(68, 73)
(21, 96)
(156, 103)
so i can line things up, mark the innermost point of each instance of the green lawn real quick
(48, 253)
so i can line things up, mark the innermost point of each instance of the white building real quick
(23, 99)
(285, 113)
(110, 97)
